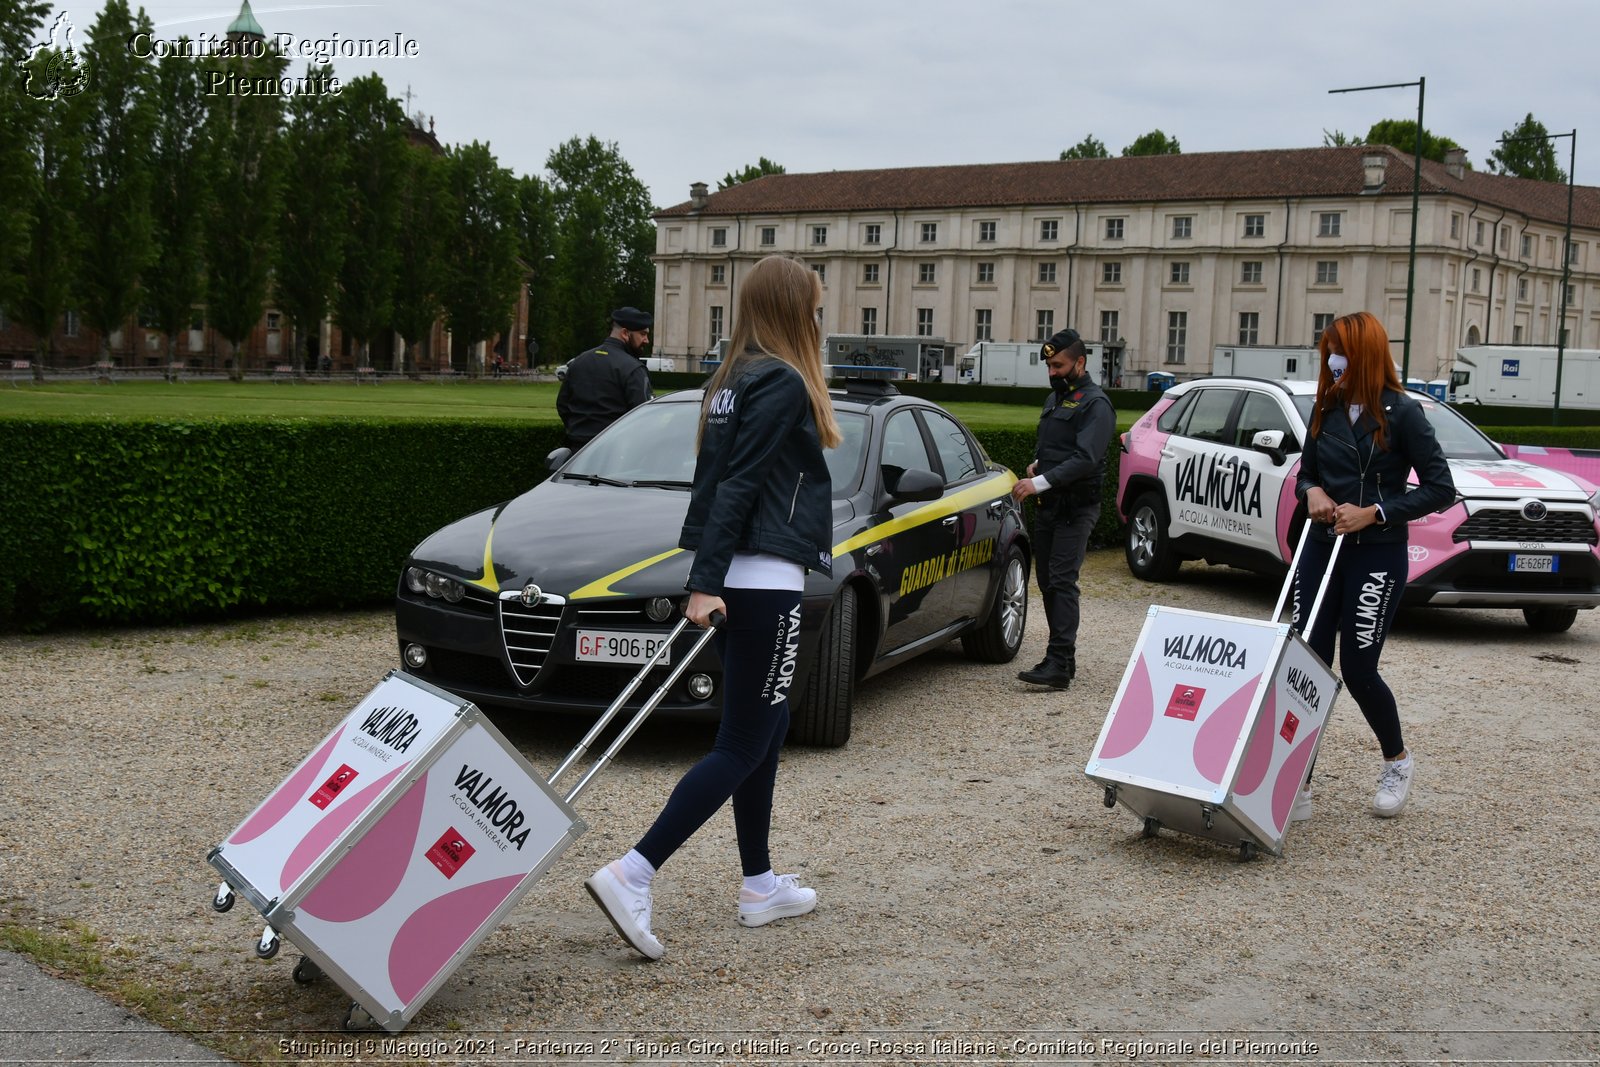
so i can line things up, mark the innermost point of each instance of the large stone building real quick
(1164, 256)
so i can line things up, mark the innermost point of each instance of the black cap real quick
(1061, 341)
(632, 318)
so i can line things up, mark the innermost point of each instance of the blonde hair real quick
(777, 315)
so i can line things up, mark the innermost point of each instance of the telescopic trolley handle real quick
(1322, 587)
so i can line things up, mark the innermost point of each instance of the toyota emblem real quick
(1534, 510)
(531, 595)
(1417, 553)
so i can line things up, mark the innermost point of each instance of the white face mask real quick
(1338, 364)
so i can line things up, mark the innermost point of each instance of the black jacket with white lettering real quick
(761, 483)
(1345, 461)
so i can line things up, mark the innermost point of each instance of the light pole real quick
(1566, 260)
(1416, 194)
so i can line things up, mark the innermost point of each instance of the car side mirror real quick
(555, 460)
(1270, 442)
(916, 484)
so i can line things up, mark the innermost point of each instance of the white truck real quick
(1280, 364)
(1020, 363)
(1525, 376)
(917, 358)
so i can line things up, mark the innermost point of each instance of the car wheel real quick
(1550, 620)
(999, 637)
(1148, 548)
(822, 716)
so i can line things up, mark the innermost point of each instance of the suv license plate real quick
(1525, 564)
(615, 646)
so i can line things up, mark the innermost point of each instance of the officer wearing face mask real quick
(1066, 475)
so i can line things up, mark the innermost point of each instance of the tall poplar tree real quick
(21, 24)
(179, 199)
(424, 219)
(316, 202)
(483, 274)
(364, 305)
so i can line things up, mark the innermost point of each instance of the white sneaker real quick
(789, 899)
(1301, 812)
(1394, 789)
(627, 908)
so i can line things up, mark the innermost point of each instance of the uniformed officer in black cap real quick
(608, 380)
(1067, 473)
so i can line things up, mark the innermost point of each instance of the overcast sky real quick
(690, 91)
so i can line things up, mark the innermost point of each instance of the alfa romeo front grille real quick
(529, 632)
(612, 613)
(1507, 524)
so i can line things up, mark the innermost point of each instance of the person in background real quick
(1366, 437)
(607, 381)
(760, 516)
(1075, 430)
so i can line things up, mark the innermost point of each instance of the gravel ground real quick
(973, 889)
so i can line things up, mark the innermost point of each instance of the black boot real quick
(1055, 675)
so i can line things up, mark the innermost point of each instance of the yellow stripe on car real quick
(487, 580)
(602, 587)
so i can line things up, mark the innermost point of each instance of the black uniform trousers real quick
(1060, 540)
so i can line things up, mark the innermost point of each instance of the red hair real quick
(1364, 342)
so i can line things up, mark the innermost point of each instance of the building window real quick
(1318, 324)
(1182, 227)
(1572, 294)
(926, 273)
(1108, 327)
(1114, 229)
(1249, 327)
(716, 325)
(1505, 238)
(1527, 246)
(869, 274)
(985, 273)
(274, 320)
(5, 323)
(869, 320)
(1111, 272)
(924, 322)
(1477, 279)
(819, 235)
(1049, 229)
(1250, 272)
(1572, 254)
(1516, 334)
(719, 237)
(986, 231)
(1047, 273)
(1455, 227)
(719, 274)
(69, 325)
(930, 232)
(1255, 225)
(1328, 224)
(1477, 233)
(1179, 274)
(1522, 289)
(1044, 325)
(769, 236)
(822, 272)
(1177, 335)
(872, 234)
(983, 325)
(1327, 272)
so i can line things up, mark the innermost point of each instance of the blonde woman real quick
(760, 517)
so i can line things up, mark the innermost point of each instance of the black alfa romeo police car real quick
(552, 601)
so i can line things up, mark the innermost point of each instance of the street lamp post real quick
(1566, 260)
(1416, 198)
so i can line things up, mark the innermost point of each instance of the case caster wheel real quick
(223, 901)
(267, 947)
(1110, 800)
(357, 1018)
(1152, 827)
(1205, 813)
(306, 972)
(1247, 851)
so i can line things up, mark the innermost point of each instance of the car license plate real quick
(616, 646)
(1522, 563)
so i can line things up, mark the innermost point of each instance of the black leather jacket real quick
(761, 483)
(1346, 462)
(1074, 432)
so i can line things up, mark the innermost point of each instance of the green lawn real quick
(533, 401)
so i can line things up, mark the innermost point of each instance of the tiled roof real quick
(1263, 174)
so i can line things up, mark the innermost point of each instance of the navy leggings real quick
(1363, 596)
(757, 644)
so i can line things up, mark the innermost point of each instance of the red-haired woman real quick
(1366, 438)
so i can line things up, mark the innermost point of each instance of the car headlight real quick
(454, 591)
(416, 580)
